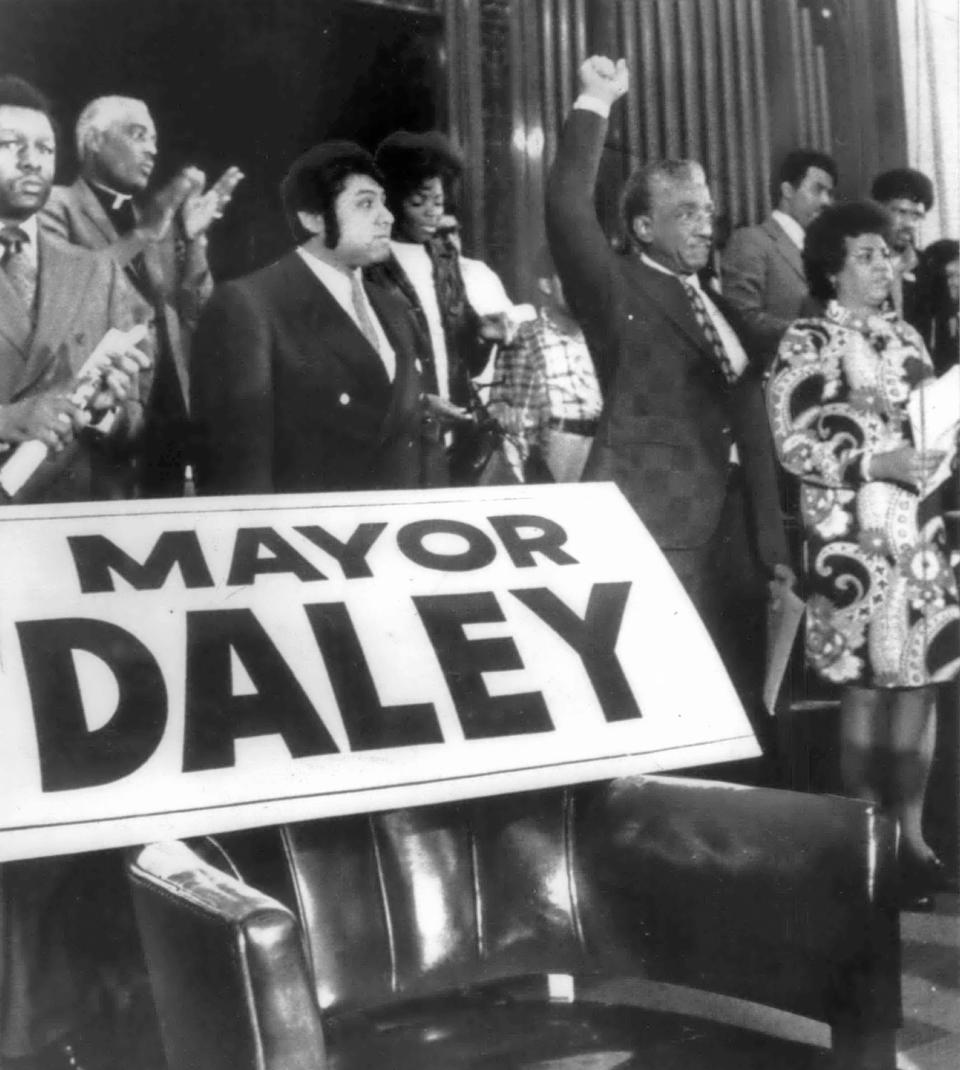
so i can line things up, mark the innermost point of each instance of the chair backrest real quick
(414, 901)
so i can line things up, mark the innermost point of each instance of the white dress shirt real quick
(416, 262)
(341, 290)
(790, 227)
(731, 343)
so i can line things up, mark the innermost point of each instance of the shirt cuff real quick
(587, 103)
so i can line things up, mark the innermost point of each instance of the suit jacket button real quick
(344, 399)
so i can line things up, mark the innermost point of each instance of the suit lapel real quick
(785, 247)
(94, 212)
(323, 318)
(671, 299)
(142, 271)
(61, 293)
(15, 325)
(406, 380)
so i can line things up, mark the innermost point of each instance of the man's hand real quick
(603, 79)
(494, 327)
(200, 209)
(52, 419)
(157, 213)
(120, 377)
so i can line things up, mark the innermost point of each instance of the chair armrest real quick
(771, 896)
(227, 967)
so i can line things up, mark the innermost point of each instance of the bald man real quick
(160, 240)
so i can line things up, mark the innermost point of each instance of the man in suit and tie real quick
(56, 304)
(160, 240)
(683, 431)
(306, 377)
(762, 266)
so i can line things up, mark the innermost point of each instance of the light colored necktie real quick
(19, 268)
(710, 332)
(364, 322)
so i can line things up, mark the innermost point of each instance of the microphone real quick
(28, 456)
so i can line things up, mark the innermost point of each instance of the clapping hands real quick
(185, 193)
(200, 209)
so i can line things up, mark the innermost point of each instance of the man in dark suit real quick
(160, 240)
(762, 265)
(683, 431)
(305, 376)
(907, 194)
(56, 304)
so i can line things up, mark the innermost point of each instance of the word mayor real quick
(72, 755)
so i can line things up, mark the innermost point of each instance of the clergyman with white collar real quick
(159, 237)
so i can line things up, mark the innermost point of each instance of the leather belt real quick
(587, 428)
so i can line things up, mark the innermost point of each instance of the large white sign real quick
(174, 668)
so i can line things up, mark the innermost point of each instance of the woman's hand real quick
(905, 465)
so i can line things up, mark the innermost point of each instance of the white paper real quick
(934, 411)
(783, 619)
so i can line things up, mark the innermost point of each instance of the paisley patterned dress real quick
(882, 607)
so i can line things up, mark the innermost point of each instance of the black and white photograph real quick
(479, 535)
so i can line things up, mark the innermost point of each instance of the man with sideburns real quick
(306, 375)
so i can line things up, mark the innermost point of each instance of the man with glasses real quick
(683, 431)
(159, 237)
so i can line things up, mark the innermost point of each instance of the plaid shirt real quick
(545, 373)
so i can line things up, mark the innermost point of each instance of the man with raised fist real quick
(683, 431)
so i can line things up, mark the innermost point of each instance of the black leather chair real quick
(408, 939)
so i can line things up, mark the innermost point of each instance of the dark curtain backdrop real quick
(245, 82)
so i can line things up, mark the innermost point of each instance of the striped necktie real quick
(20, 269)
(710, 331)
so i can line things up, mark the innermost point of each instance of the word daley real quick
(227, 630)
(170, 669)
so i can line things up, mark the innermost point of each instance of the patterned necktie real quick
(364, 322)
(20, 270)
(710, 331)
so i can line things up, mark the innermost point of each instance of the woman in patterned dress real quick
(882, 612)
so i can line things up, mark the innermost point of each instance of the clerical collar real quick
(115, 201)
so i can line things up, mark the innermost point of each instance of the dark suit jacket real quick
(80, 297)
(289, 395)
(763, 278)
(669, 416)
